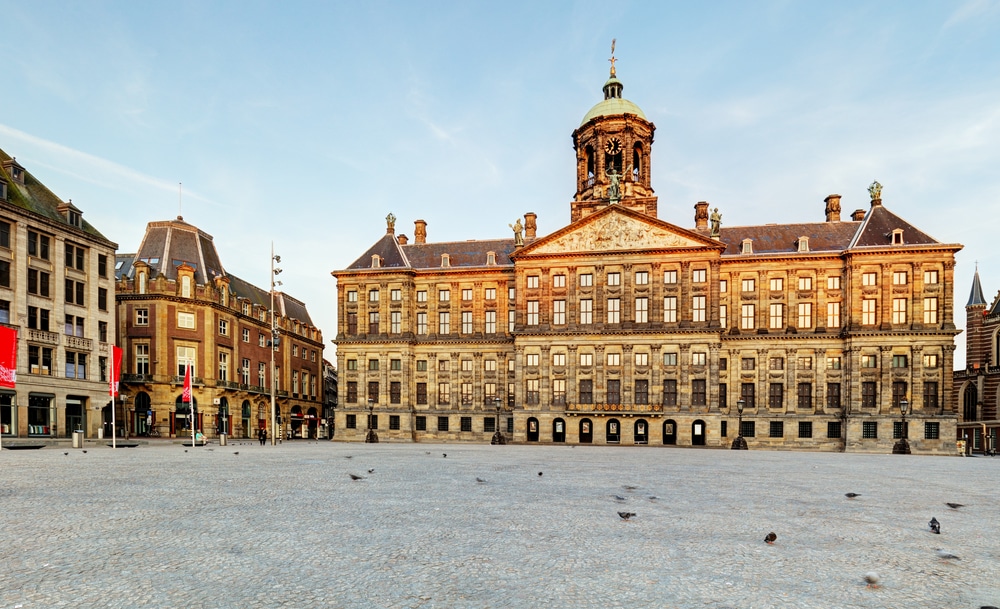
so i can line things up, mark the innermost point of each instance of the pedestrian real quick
(263, 437)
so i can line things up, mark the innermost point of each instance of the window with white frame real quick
(899, 277)
(805, 283)
(930, 310)
(614, 279)
(930, 360)
(511, 293)
(669, 277)
(142, 358)
(466, 294)
(489, 365)
(444, 295)
(532, 282)
(642, 278)
(723, 321)
(641, 359)
(641, 310)
(223, 327)
(833, 283)
(395, 294)
(586, 280)
(899, 310)
(868, 312)
(670, 309)
(559, 281)
(869, 278)
(670, 358)
(698, 275)
(614, 310)
(531, 359)
(511, 320)
(373, 295)
(777, 284)
(444, 322)
(532, 313)
(747, 313)
(421, 295)
(395, 322)
(186, 357)
(586, 359)
(142, 317)
(466, 322)
(558, 312)
(805, 315)
(614, 359)
(491, 322)
(698, 358)
(466, 365)
(559, 359)
(185, 320)
(833, 315)
(748, 285)
(776, 318)
(930, 277)
(723, 286)
(698, 308)
(421, 323)
(490, 294)
(586, 311)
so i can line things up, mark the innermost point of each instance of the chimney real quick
(402, 239)
(530, 226)
(420, 231)
(701, 215)
(858, 215)
(832, 208)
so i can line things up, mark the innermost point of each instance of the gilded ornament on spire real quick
(390, 223)
(875, 190)
(613, 60)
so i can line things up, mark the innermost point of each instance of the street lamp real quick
(371, 437)
(902, 447)
(275, 341)
(498, 435)
(739, 443)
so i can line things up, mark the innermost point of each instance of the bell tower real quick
(613, 145)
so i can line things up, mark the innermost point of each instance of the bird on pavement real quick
(85, 452)
(852, 495)
(618, 498)
(946, 555)
(539, 473)
(356, 477)
(348, 456)
(872, 578)
(236, 453)
(629, 487)
(626, 515)
(955, 506)
(480, 480)
(445, 455)
(371, 471)
(770, 538)
(934, 525)
(65, 453)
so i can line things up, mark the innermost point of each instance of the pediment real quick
(618, 231)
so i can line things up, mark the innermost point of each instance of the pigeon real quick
(65, 453)
(934, 525)
(618, 498)
(946, 555)
(356, 477)
(953, 506)
(348, 456)
(629, 488)
(445, 455)
(872, 578)
(236, 453)
(539, 473)
(371, 471)
(626, 515)
(852, 495)
(770, 538)
(85, 452)
(653, 497)
(480, 480)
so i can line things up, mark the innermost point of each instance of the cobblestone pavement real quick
(162, 525)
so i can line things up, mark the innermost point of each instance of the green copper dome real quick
(613, 104)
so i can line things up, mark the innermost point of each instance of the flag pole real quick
(111, 390)
(194, 421)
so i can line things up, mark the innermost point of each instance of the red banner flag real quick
(186, 396)
(116, 369)
(8, 357)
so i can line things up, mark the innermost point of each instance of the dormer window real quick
(376, 261)
(3, 189)
(445, 260)
(15, 171)
(897, 236)
(73, 215)
(491, 258)
(747, 246)
(803, 244)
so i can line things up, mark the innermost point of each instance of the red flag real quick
(116, 369)
(186, 396)
(8, 357)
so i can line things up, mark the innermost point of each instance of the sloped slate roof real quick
(877, 227)
(36, 198)
(780, 238)
(470, 253)
(976, 295)
(167, 245)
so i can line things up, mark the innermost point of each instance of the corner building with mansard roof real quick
(622, 328)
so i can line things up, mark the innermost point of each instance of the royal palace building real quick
(57, 292)
(178, 308)
(622, 328)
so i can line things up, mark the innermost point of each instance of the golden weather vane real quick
(613, 60)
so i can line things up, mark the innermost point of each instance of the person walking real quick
(263, 437)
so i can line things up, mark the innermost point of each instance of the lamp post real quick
(498, 435)
(371, 437)
(902, 447)
(740, 443)
(274, 345)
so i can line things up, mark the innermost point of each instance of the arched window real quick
(186, 286)
(637, 163)
(970, 398)
(589, 151)
(141, 281)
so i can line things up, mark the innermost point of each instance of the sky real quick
(306, 123)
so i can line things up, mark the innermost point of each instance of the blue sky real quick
(306, 123)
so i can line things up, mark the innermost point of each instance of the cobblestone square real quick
(162, 525)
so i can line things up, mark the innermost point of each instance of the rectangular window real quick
(489, 424)
(558, 391)
(352, 296)
(669, 392)
(466, 322)
(352, 323)
(833, 395)
(777, 316)
(699, 358)
(395, 322)
(491, 322)
(395, 295)
(373, 365)
(558, 312)
(586, 391)
(394, 421)
(102, 299)
(38, 282)
(930, 394)
(614, 310)
(899, 392)
(747, 314)
(805, 315)
(805, 284)
(142, 317)
(372, 295)
(586, 360)
(868, 312)
(421, 365)
(559, 281)
(421, 323)
(869, 430)
(723, 286)
(511, 293)
(532, 319)
(76, 365)
(467, 294)
(669, 277)
(748, 429)
(699, 394)
(586, 311)
(444, 393)
(442, 423)
(142, 359)
(670, 309)
(444, 295)
(444, 365)
(224, 366)
(466, 423)
(930, 277)
(224, 327)
(641, 278)
(669, 359)
(352, 391)
(532, 282)
(899, 310)
(444, 322)
(466, 389)
(531, 391)
(186, 320)
(186, 357)
(490, 294)
(490, 365)
(466, 365)
(833, 429)
(698, 308)
(833, 315)
(421, 295)
(4, 230)
(614, 279)
(869, 394)
(641, 392)
(559, 359)
(805, 396)
(421, 422)
(869, 361)
(4, 273)
(531, 360)
(586, 280)
(641, 310)
(748, 363)
(748, 285)
(869, 279)
(805, 363)
(373, 322)
(777, 284)
(930, 310)
(776, 395)
(74, 257)
(805, 429)
(422, 393)
(614, 392)
(641, 359)
(748, 393)
(698, 276)
(614, 359)
(776, 429)
(723, 322)
(38, 245)
(511, 320)
(899, 361)
(899, 277)
(932, 430)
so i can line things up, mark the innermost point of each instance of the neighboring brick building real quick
(976, 387)
(624, 328)
(56, 290)
(177, 306)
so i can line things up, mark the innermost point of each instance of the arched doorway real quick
(586, 431)
(613, 432)
(970, 401)
(641, 432)
(670, 432)
(312, 422)
(558, 430)
(144, 418)
(698, 433)
(295, 422)
(532, 429)
(180, 424)
(245, 415)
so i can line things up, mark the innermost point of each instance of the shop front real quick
(41, 414)
(8, 413)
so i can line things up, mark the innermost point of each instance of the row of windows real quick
(465, 423)
(39, 246)
(40, 363)
(776, 284)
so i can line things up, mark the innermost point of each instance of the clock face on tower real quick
(613, 146)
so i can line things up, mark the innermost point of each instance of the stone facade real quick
(57, 291)
(621, 328)
(177, 306)
(977, 387)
